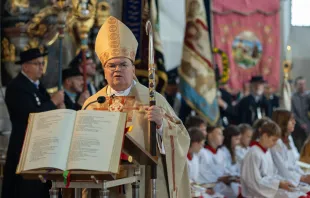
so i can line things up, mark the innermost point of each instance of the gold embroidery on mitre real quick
(115, 39)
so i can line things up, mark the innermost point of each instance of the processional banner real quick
(197, 76)
(249, 32)
(135, 15)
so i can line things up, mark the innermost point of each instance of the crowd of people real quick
(252, 152)
(246, 161)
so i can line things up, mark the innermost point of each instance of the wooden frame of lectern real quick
(99, 180)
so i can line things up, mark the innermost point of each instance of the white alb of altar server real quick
(241, 152)
(211, 168)
(285, 162)
(259, 177)
(193, 171)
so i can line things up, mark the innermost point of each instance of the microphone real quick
(100, 99)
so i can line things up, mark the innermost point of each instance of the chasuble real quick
(173, 141)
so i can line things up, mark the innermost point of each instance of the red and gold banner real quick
(249, 32)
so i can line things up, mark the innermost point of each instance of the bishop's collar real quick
(126, 92)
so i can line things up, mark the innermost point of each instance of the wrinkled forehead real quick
(119, 60)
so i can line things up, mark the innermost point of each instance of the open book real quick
(73, 140)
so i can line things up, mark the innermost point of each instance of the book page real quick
(93, 139)
(50, 139)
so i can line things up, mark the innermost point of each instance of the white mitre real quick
(114, 40)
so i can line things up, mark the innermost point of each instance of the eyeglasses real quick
(37, 63)
(121, 66)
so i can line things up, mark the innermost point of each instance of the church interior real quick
(228, 81)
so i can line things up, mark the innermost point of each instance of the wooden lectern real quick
(99, 180)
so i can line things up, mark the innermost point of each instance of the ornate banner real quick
(136, 13)
(248, 31)
(132, 17)
(197, 76)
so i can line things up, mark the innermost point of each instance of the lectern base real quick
(96, 184)
(54, 192)
(104, 193)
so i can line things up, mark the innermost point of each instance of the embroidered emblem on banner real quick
(247, 50)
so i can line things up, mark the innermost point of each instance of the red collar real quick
(254, 143)
(211, 149)
(189, 156)
(286, 140)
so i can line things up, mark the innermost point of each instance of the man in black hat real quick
(255, 105)
(25, 95)
(73, 84)
(77, 62)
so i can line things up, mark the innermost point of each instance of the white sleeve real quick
(254, 182)
(189, 172)
(159, 139)
(294, 148)
(282, 166)
(239, 154)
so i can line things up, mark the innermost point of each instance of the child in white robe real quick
(232, 136)
(198, 122)
(258, 173)
(246, 136)
(283, 153)
(256, 128)
(196, 144)
(294, 148)
(212, 166)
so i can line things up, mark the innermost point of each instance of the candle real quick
(289, 53)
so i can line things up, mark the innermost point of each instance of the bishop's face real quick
(119, 73)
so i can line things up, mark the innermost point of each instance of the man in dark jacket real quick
(90, 69)
(73, 86)
(255, 105)
(272, 97)
(25, 95)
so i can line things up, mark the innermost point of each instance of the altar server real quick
(244, 146)
(212, 166)
(257, 127)
(258, 174)
(283, 154)
(232, 137)
(197, 143)
(116, 47)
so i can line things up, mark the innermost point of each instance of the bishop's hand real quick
(155, 113)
